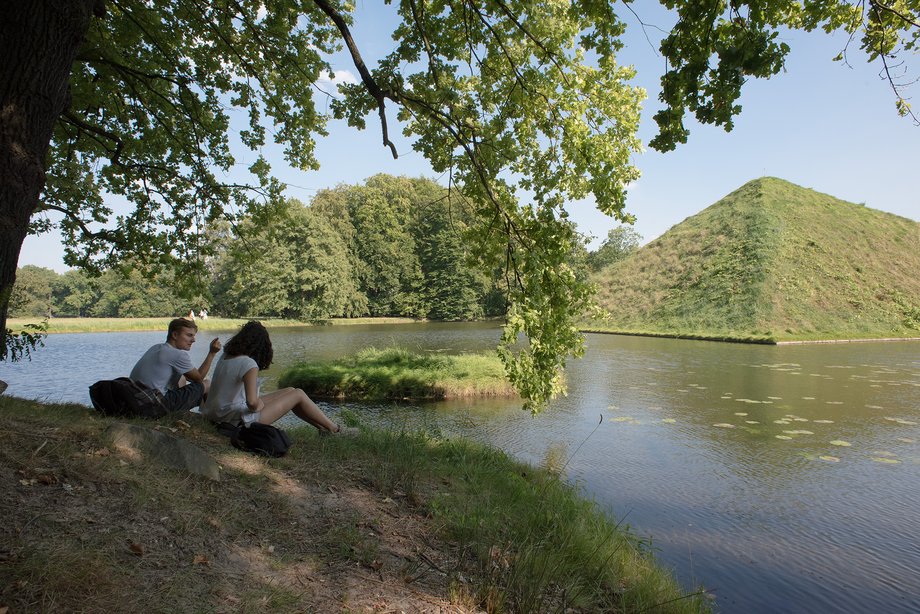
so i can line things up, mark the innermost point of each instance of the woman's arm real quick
(251, 386)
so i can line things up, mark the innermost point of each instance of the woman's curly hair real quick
(252, 340)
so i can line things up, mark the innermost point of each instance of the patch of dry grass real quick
(86, 529)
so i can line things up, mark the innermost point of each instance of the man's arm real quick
(198, 375)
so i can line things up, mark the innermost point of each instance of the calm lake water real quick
(782, 479)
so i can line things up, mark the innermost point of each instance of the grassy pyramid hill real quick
(771, 261)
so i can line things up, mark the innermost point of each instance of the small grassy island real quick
(384, 521)
(397, 373)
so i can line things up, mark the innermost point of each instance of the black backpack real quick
(261, 439)
(126, 397)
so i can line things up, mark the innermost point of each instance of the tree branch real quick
(372, 86)
(105, 235)
(903, 105)
(893, 11)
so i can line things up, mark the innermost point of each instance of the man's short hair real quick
(178, 324)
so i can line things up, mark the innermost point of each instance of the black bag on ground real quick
(125, 397)
(262, 439)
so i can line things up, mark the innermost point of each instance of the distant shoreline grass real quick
(724, 338)
(750, 339)
(111, 325)
(95, 528)
(397, 373)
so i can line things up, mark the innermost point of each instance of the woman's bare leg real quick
(280, 402)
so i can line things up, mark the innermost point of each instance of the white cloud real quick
(337, 77)
(329, 82)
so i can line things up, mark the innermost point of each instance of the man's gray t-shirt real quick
(161, 367)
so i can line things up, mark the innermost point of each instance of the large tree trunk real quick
(38, 44)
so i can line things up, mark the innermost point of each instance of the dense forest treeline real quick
(394, 246)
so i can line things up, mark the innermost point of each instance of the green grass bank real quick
(772, 261)
(397, 373)
(380, 522)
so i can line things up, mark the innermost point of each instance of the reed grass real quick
(398, 373)
(526, 540)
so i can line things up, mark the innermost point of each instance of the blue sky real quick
(821, 124)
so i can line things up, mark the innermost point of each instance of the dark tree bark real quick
(38, 44)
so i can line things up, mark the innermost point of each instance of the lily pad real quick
(830, 459)
(841, 443)
(823, 421)
(669, 420)
(780, 422)
(901, 421)
(782, 436)
(724, 425)
(906, 440)
(740, 413)
(752, 422)
(798, 432)
(889, 461)
(808, 398)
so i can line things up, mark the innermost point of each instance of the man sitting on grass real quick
(165, 365)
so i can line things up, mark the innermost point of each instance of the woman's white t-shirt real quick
(227, 395)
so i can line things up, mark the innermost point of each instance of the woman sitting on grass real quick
(234, 394)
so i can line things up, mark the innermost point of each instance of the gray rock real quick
(151, 445)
